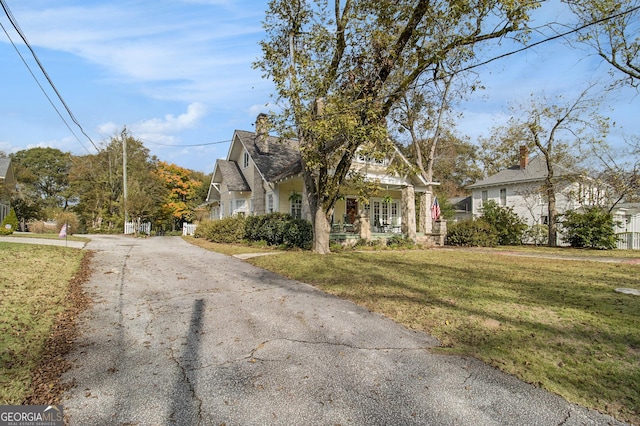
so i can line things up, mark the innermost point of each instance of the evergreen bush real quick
(12, 220)
(227, 231)
(509, 227)
(593, 229)
(472, 233)
(400, 241)
(279, 229)
(537, 234)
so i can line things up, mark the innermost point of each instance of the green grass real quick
(47, 236)
(558, 324)
(34, 283)
(229, 249)
(567, 252)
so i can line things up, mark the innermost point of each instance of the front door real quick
(352, 210)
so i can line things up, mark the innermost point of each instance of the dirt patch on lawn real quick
(46, 385)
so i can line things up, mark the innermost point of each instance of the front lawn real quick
(34, 295)
(555, 323)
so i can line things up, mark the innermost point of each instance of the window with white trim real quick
(269, 203)
(240, 208)
(296, 207)
(245, 160)
(503, 197)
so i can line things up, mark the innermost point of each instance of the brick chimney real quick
(524, 157)
(262, 133)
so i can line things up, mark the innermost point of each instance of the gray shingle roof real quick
(536, 170)
(282, 160)
(232, 176)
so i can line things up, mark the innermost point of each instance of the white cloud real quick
(171, 123)
(109, 128)
(147, 44)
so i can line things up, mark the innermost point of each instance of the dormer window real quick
(366, 159)
(245, 160)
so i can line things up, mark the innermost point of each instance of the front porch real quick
(350, 234)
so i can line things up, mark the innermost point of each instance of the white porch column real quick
(408, 224)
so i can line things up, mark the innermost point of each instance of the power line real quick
(42, 88)
(15, 25)
(557, 36)
(191, 145)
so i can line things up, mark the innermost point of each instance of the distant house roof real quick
(4, 167)
(461, 203)
(535, 171)
(232, 176)
(282, 160)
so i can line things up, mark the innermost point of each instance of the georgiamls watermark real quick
(31, 415)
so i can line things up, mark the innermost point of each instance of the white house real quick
(627, 219)
(521, 188)
(6, 181)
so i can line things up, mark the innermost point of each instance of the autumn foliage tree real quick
(180, 198)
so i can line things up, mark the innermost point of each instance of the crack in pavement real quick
(184, 378)
(566, 418)
(189, 358)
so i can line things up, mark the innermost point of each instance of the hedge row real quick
(276, 229)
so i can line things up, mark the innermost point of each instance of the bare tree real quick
(613, 33)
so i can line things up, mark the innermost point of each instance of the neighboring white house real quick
(521, 188)
(262, 174)
(627, 218)
(6, 181)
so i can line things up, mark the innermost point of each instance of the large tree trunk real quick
(320, 220)
(553, 229)
(321, 232)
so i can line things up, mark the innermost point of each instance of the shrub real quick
(203, 229)
(42, 227)
(594, 229)
(400, 241)
(274, 229)
(279, 229)
(509, 227)
(474, 233)
(12, 220)
(537, 234)
(298, 233)
(70, 219)
(228, 230)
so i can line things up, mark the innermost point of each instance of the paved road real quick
(179, 335)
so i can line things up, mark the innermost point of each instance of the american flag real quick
(435, 209)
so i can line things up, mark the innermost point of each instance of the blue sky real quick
(179, 73)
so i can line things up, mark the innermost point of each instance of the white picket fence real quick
(628, 240)
(130, 228)
(188, 228)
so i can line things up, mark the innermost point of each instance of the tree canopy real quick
(340, 67)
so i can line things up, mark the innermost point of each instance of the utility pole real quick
(124, 173)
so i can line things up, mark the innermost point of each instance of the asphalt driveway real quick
(180, 335)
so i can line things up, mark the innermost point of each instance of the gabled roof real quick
(283, 155)
(232, 176)
(4, 167)
(535, 171)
